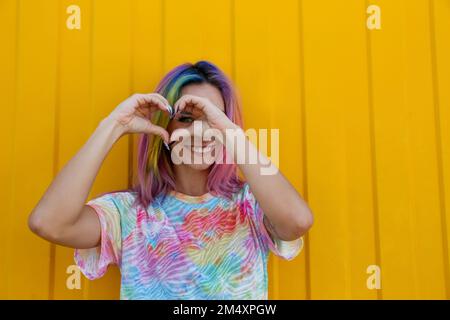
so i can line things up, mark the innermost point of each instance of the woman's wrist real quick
(236, 142)
(113, 129)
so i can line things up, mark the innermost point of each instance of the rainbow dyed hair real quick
(154, 172)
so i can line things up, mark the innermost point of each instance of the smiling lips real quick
(205, 148)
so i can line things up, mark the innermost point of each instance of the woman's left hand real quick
(215, 117)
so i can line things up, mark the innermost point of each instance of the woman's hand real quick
(133, 115)
(62, 216)
(215, 117)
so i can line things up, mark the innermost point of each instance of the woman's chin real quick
(200, 161)
(199, 167)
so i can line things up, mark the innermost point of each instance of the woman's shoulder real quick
(122, 199)
(124, 195)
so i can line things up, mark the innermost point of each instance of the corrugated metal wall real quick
(364, 118)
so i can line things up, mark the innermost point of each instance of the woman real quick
(189, 228)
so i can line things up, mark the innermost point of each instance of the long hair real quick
(154, 171)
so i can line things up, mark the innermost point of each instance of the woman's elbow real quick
(35, 223)
(303, 222)
(298, 224)
(39, 226)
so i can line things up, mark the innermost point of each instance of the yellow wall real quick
(364, 118)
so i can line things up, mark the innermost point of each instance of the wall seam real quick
(373, 153)
(304, 143)
(56, 132)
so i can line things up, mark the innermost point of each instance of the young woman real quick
(188, 229)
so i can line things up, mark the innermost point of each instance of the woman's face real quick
(186, 119)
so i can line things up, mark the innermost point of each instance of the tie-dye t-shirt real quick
(185, 247)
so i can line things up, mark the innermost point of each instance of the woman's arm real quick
(287, 215)
(61, 215)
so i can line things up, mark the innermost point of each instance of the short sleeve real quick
(94, 262)
(287, 250)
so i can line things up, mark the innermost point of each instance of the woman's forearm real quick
(288, 214)
(62, 203)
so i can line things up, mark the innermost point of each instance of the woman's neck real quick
(190, 181)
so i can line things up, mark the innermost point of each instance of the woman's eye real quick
(185, 119)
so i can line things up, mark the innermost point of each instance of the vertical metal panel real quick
(342, 242)
(440, 48)
(267, 70)
(8, 71)
(411, 243)
(75, 122)
(111, 72)
(32, 154)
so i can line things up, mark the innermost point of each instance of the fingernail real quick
(169, 109)
(166, 145)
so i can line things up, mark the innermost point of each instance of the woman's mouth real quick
(206, 148)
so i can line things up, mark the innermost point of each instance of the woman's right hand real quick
(133, 115)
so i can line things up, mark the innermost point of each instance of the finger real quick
(144, 101)
(175, 106)
(150, 101)
(160, 97)
(179, 105)
(188, 99)
(166, 103)
(142, 112)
